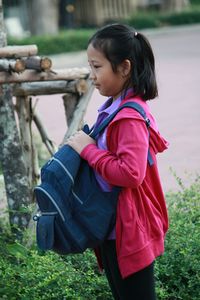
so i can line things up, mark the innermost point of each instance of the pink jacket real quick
(142, 219)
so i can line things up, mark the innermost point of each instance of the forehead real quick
(94, 54)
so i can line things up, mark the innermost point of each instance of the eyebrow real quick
(93, 61)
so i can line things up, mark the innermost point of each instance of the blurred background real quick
(38, 17)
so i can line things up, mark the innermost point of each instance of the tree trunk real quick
(43, 16)
(14, 171)
(3, 41)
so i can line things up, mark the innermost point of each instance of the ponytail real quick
(143, 72)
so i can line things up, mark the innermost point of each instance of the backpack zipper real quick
(77, 197)
(52, 200)
(65, 169)
(70, 176)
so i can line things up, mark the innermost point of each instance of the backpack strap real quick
(105, 123)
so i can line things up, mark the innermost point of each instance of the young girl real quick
(122, 68)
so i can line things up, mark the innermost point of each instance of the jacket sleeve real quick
(124, 164)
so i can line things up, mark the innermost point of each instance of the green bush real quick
(144, 20)
(196, 2)
(185, 17)
(27, 274)
(65, 41)
(178, 270)
(156, 19)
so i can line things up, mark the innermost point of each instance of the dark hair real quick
(119, 42)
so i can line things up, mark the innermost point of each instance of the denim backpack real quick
(74, 213)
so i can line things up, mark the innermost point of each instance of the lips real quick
(97, 86)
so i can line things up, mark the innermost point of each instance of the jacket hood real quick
(157, 141)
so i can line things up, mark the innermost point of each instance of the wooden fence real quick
(24, 74)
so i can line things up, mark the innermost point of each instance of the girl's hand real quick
(79, 141)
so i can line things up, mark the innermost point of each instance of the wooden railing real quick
(22, 75)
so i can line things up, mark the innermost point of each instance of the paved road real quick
(177, 52)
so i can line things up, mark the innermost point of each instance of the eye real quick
(97, 66)
(93, 66)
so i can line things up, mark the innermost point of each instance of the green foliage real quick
(156, 19)
(178, 270)
(185, 17)
(144, 20)
(193, 2)
(28, 274)
(31, 275)
(65, 41)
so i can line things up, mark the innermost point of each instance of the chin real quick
(104, 94)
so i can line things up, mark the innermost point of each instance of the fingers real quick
(79, 141)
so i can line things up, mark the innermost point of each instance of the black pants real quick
(139, 286)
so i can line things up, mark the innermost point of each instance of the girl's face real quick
(108, 83)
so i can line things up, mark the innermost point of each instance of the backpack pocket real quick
(45, 231)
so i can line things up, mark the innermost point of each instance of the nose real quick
(92, 75)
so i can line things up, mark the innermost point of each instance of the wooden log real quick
(38, 63)
(70, 101)
(82, 86)
(50, 87)
(79, 112)
(18, 51)
(32, 75)
(24, 118)
(11, 65)
(44, 136)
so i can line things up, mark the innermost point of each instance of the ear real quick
(125, 68)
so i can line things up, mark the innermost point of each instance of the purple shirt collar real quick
(110, 106)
